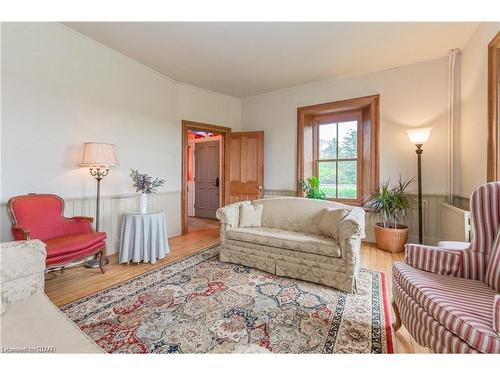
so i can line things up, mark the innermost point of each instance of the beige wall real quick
(60, 89)
(410, 96)
(473, 119)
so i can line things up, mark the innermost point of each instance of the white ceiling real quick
(244, 59)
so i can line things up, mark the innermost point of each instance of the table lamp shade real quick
(419, 136)
(99, 154)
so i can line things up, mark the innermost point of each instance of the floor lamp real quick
(98, 157)
(418, 137)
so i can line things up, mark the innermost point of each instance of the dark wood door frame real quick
(493, 159)
(224, 183)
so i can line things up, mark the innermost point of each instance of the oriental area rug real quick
(201, 305)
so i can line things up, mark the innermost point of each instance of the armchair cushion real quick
(493, 270)
(69, 244)
(59, 260)
(462, 306)
(434, 259)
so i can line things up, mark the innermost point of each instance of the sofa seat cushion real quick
(462, 306)
(59, 246)
(303, 242)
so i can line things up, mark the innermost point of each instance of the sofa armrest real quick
(20, 233)
(434, 259)
(496, 314)
(353, 225)
(78, 225)
(22, 269)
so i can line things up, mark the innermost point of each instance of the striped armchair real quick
(449, 300)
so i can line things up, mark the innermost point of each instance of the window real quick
(338, 142)
(337, 163)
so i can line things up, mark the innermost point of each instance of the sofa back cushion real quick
(493, 269)
(295, 214)
(250, 215)
(329, 224)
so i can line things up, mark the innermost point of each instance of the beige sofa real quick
(30, 322)
(289, 242)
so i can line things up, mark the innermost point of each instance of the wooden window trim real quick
(368, 144)
(493, 158)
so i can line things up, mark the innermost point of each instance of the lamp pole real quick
(418, 137)
(98, 174)
(419, 173)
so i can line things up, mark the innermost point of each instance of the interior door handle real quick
(217, 182)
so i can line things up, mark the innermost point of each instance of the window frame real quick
(338, 118)
(308, 119)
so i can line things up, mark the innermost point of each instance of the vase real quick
(143, 203)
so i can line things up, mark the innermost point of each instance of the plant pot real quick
(143, 203)
(391, 239)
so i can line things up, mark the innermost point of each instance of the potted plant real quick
(392, 205)
(145, 185)
(311, 189)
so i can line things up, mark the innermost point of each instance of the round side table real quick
(143, 237)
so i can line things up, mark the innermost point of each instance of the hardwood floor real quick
(198, 223)
(76, 283)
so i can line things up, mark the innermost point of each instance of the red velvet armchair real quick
(40, 216)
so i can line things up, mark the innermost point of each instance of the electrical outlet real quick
(425, 203)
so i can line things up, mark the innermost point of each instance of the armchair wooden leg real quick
(397, 324)
(102, 257)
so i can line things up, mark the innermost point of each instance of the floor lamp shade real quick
(419, 136)
(99, 154)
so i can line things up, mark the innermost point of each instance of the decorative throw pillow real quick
(330, 221)
(250, 215)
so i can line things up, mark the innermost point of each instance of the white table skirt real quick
(143, 237)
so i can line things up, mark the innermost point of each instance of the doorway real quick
(203, 174)
(240, 172)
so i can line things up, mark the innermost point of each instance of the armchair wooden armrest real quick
(20, 233)
(82, 218)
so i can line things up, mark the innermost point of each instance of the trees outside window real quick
(337, 162)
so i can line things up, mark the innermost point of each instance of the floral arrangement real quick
(144, 183)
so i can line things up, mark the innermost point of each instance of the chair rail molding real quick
(112, 208)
